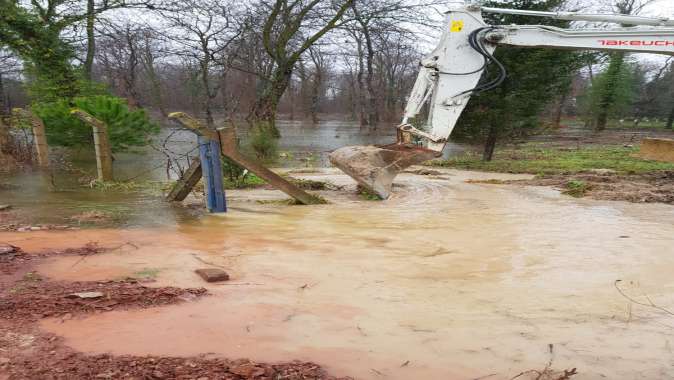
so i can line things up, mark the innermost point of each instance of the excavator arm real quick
(453, 72)
(447, 77)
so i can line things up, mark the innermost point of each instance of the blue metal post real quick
(211, 169)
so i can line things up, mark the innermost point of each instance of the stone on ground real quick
(86, 295)
(6, 249)
(212, 274)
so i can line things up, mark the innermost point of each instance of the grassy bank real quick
(545, 160)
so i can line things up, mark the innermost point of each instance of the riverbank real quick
(610, 172)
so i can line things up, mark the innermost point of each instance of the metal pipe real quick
(573, 16)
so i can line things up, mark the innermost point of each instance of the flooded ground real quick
(445, 280)
(53, 199)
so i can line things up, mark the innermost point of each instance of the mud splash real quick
(446, 279)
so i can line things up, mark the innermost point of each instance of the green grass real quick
(537, 160)
(627, 124)
(576, 189)
(310, 184)
(146, 273)
(290, 201)
(249, 181)
(367, 195)
(127, 186)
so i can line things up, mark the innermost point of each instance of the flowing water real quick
(448, 279)
(49, 199)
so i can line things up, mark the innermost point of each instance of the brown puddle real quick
(445, 280)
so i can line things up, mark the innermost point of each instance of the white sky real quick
(661, 8)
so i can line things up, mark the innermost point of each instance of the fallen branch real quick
(92, 248)
(547, 373)
(649, 304)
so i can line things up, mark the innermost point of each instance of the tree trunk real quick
(291, 90)
(156, 92)
(670, 118)
(4, 127)
(205, 65)
(362, 101)
(608, 95)
(265, 107)
(372, 114)
(155, 83)
(490, 144)
(91, 41)
(4, 138)
(223, 93)
(4, 110)
(131, 66)
(316, 85)
(557, 122)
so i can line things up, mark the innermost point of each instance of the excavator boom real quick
(452, 73)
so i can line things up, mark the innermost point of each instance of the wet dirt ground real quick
(445, 280)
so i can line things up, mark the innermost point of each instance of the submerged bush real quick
(576, 188)
(263, 142)
(126, 128)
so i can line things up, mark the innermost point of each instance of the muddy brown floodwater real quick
(446, 280)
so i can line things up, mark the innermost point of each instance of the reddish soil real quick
(33, 298)
(26, 352)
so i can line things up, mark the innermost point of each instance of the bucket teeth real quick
(375, 168)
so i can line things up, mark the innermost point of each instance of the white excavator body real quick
(453, 71)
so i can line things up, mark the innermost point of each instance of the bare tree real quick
(151, 49)
(396, 64)
(289, 29)
(35, 31)
(375, 21)
(204, 32)
(119, 56)
(9, 66)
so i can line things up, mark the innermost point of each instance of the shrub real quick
(263, 143)
(126, 128)
(576, 188)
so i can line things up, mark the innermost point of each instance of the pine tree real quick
(536, 77)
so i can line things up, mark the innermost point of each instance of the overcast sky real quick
(661, 8)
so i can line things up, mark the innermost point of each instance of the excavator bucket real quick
(374, 168)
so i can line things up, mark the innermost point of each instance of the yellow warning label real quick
(457, 26)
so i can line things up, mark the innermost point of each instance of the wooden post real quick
(230, 149)
(185, 184)
(227, 139)
(101, 144)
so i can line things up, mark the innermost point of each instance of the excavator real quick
(453, 72)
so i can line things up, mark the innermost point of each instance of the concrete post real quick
(40, 140)
(101, 144)
(39, 135)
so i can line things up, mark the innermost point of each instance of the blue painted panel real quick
(211, 169)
